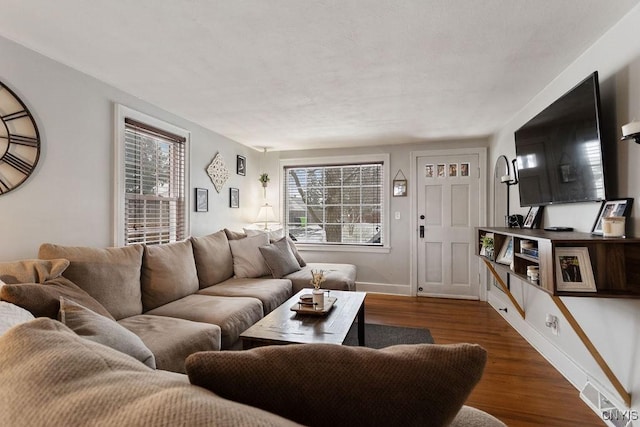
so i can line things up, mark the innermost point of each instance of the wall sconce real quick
(631, 131)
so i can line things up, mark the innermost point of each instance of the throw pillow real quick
(168, 273)
(234, 235)
(214, 261)
(43, 300)
(51, 376)
(247, 259)
(279, 258)
(11, 315)
(92, 326)
(295, 252)
(32, 270)
(110, 275)
(418, 385)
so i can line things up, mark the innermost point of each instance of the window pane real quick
(335, 204)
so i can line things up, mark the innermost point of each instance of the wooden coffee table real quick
(283, 326)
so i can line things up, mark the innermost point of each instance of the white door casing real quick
(450, 202)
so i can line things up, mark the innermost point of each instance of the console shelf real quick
(615, 263)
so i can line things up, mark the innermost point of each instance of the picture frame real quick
(202, 200)
(453, 170)
(428, 171)
(573, 270)
(241, 165)
(506, 252)
(532, 220)
(619, 207)
(464, 169)
(234, 197)
(399, 188)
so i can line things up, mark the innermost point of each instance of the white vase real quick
(318, 299)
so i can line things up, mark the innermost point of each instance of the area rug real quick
(380, 336)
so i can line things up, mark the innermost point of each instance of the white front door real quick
(449, 208)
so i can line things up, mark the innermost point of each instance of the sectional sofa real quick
(178, 298)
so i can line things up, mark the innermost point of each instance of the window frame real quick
(339, 161)
(121, 112)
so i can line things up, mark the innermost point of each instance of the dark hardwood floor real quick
(519, 386)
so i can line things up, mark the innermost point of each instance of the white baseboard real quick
(384, 288)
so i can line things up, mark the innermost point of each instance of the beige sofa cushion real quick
(234, 315)
(404, 385)
(110, 275)
(52, 377)
(92, 326)
(341, 277)
(247, 259)
(213, 258)
(32, 270)
(168, 273)
(171, 339)
(272, 292)
(43, 299)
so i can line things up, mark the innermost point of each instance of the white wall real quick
(68, 199)
(377, 272)
(612, 324)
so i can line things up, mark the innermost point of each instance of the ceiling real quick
(294, 74)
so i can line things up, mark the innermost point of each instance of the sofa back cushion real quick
(168, 273)
(32, 270)
(51, 376)
(213, 258)
(110, 275)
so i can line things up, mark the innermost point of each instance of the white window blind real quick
(154, 180)
(335, 204)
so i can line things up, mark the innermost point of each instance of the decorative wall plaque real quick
(218, 172)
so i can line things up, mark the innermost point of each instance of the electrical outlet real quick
(551, 321)
(397, 215)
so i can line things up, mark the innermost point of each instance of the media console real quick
(614, 262)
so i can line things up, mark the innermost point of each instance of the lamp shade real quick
(266, 215)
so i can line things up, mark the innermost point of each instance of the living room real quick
(69, 198)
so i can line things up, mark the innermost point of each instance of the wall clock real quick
(19, 141)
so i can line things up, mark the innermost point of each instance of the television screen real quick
(559, 152)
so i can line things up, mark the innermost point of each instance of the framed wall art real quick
(234, 198)
(620, 207)
(241, 165)
(202, 200)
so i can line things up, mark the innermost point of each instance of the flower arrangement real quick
(317, 277)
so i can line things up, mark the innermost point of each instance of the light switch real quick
(397, 215)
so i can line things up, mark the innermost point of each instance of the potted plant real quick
(264, 179)
(487, 246)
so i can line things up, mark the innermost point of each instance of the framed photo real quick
(533, 217)
(399, 188)
(241, 165)
(453, 169)
(573, 270)
(506, 252)
(441, 171)
(202, 200)
(620, 207)
(234, 198)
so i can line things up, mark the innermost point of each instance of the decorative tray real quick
(305, 306)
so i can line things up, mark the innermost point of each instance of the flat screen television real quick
(559, 152)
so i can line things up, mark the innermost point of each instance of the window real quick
(151, 189)
(336, 204)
